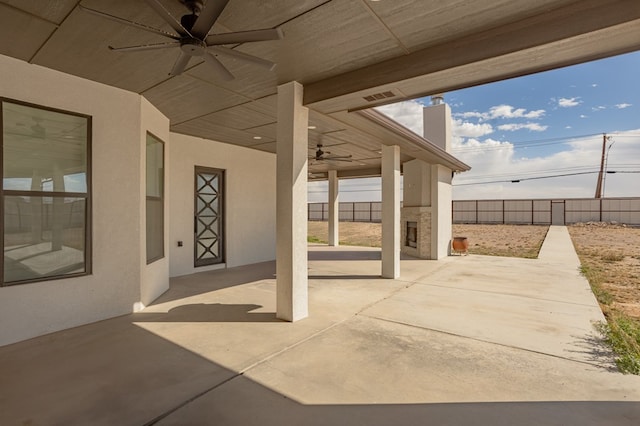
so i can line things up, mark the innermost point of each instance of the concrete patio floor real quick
(467, 340)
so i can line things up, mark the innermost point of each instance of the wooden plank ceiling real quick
(345, 52)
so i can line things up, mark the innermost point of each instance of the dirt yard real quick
(611, 254)
(503, 240)
(494, 240)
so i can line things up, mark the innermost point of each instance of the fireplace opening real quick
(412, 234)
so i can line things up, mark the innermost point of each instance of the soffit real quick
(341, 50)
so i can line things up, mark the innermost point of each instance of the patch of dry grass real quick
(610, 254)
(610, 259)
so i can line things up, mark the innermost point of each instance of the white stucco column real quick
(441, 219)
(390, 211)
(334, 209)
(437, 129)
(291, 204)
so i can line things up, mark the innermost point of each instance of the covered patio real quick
(467, 340)
(237, 96)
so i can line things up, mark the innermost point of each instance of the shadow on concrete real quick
(346, 277)
(204, 282)
(208, 312)
(596, 350)
(115, 372)
(244, 402)
(111, 372)
(337, 254)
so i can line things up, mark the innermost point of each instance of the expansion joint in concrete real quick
(518, 348)
(188, 401)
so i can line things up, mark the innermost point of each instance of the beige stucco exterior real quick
(121, 281)
(250, 202)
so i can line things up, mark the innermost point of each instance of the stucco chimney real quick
(437, 122)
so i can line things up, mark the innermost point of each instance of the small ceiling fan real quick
(327, 156)
(193, 38)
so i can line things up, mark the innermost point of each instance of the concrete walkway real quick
(468, 340)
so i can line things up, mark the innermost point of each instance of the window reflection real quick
(45, 193)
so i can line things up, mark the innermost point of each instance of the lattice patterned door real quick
(209, 215)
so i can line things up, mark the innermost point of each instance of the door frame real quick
(221, 216)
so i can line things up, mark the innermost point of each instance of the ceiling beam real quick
(576, 19)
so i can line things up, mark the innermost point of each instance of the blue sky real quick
(596, 97)
(536, 126)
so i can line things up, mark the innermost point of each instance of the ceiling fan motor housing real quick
(193, 46)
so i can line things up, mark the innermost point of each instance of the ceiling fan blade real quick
(168, 18)
(180, 65)
(243, 56)
(244, 37)
(145, 47)
(127, 22)
(208, 17)
(220, 69)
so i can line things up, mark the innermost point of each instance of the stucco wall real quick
(113, 288)
(250, 201)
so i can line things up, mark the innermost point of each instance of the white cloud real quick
(534, 127)
(407, 113)
(569, 102)
(594, 85)
(497, 161)
(507, 111)
(503, 111)
(623, 105)
(598, 108)
(472, 114)
(568, 127)
(583, 116)
(470, 130)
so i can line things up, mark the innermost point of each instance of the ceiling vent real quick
(378, 96)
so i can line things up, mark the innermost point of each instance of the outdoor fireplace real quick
(415, 229)
(412, 234)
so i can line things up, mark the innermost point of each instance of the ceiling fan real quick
(327, 156)
(193, 38)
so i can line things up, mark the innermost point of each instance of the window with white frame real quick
(45, 193)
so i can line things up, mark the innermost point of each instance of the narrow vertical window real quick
(155, 199)
(45, 193)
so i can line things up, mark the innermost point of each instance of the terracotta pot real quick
(460, 244)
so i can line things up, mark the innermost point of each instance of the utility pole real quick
(606, 166)
(605, 138)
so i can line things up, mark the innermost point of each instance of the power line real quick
(536, 142)
(523, 179)
(518, 180)
(529, 143)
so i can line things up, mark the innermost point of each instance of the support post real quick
(391, 211)
(291, 199)
(334, 206)
(441, 217)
